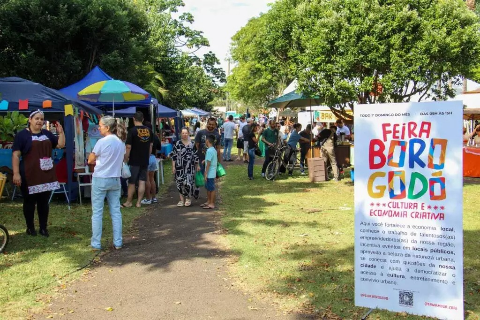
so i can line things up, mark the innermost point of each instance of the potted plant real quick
(9, 125)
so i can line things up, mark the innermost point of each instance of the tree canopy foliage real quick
(56, 42)
(356, 51)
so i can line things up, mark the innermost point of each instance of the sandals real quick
(188, 203)
(180, 204)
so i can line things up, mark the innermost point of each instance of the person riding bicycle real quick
(291, 152)
(327, 140)
(270, 138)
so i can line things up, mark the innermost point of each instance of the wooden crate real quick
(316, 170)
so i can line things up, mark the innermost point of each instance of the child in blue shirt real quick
(210, 171)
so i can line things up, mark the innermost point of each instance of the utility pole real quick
(228, 94)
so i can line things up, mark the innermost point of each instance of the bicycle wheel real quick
(3, 237)
(272, 170)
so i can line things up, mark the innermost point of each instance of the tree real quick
(187, 80)
(264, 51)
(367, 51)
(56, 42)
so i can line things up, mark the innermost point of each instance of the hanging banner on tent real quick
(408, 208)
(68, 110)
(47, 104)
(23, 104)
(4, 105)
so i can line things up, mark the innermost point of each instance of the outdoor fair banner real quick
(408, 208)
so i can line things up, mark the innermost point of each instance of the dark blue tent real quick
(127, 112)
(15, 89)
(165, 112)
(96, 75)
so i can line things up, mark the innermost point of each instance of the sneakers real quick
(302, 173)
(263, 174)
(145, 201)
(180, 204)
(154, 200)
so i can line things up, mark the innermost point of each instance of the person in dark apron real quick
(33, 169)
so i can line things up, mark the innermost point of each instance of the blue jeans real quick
(109, 188)
(228, 149)
(251, 161)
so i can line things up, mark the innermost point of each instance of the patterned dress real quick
(186, 160)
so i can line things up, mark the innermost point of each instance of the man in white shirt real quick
(342, 129)
(240, 144)
(228, 128)
(318, 128)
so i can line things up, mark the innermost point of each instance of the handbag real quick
(220, 171)
(258, 152)
(126, 171)
(199, 179)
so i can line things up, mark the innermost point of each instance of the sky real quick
(221, 19)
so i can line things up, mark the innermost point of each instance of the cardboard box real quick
(316, 170)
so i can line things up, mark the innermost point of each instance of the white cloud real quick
(221, 19)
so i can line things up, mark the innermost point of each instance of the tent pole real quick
(311, 124)
(69, 140)
(113, 105)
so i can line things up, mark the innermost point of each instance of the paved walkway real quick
(172, 268)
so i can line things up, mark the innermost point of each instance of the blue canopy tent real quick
(165, 112)
(201, 112)
(128, 112)
(14, 89)
(96, 75)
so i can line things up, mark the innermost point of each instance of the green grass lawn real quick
(295, 242)
(32, 267)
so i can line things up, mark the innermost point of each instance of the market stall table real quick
(471, 161)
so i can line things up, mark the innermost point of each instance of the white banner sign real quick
(408, 208)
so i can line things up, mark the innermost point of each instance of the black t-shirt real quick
(139, 137)
(157, 145)
(249, 137)
(325, 134)
(246, 131)
(304, 145)
(201, 137)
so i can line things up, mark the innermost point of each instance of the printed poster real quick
(409, 208)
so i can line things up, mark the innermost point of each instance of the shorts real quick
(138, 174)
(245, 146)
(152, 163)
(210, 185)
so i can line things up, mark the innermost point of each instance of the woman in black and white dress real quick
(184, 165)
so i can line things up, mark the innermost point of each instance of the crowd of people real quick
(192, 159)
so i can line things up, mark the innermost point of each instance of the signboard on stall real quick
(408, 208)
(326, 116)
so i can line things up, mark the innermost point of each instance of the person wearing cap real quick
(35, 172)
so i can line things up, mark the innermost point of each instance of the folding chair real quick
(63, 190)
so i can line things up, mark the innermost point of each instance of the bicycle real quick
(4, 237)
(273, 167)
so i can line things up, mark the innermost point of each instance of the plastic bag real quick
(199, 179)
(220, 171)
(126, 171)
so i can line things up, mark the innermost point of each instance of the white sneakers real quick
(145, 201)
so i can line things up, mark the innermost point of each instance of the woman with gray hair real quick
(107, 155)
